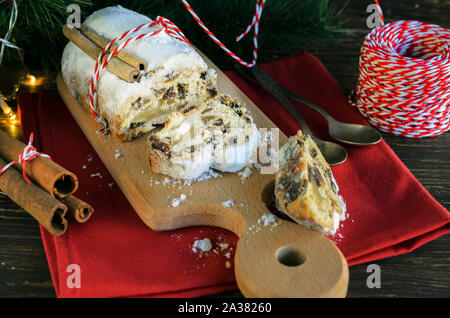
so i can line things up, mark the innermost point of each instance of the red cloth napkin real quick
(389, 212)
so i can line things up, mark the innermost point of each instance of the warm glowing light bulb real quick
(30, 80)
(5, 108)
(33, 81)
(12, 118)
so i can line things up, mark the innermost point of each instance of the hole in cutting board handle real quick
(290, 256)
(286, 255)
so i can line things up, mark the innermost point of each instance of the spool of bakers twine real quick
(28, 153)
(404, 79)
(166, 26)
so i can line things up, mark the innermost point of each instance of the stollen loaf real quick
(176, 77)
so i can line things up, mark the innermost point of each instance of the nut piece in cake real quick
(218, 134)
(305, 188)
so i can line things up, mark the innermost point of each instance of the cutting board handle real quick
(288, 260)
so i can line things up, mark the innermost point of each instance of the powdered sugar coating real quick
(161, 52)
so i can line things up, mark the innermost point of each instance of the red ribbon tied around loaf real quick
(171, 29)
(28, 153)
(167, 26)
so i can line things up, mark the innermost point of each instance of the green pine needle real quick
(287, 27)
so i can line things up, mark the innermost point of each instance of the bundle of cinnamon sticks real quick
(49, 196)
(124, 65)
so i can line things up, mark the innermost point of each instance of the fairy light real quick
(5, 42)
(9, 113)
(30, 80)
(5, 108)
(33, 81)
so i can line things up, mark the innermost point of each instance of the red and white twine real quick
(404, 79)
(166, 26)
(380, 12)
(254, 23)
(170, 28)
(28, 153)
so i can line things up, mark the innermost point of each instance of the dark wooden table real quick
(424, 272)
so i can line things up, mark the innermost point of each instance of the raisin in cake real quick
(305, 188)
(218, 134)
(176, 77)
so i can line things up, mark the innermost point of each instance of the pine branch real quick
(287, 27)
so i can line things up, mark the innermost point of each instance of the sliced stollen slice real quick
(305, 188)
(219, 134)
(239, 138)
(176, 77)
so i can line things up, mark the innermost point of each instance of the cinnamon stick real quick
(78, 209)
(115, 65)
(122, 54)
(48, 211)
(53, 178)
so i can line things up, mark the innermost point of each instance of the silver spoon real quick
(353, 134)
(333, 153)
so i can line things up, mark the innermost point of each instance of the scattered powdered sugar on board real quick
(176, 202)
(181, 182)
(117, 153)
(267, 220)
(167, 181)
(248, 170)
(228, 203)
(207, 175)
(245, 173)
(152, 181)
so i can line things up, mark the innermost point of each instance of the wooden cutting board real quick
(282, 259)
